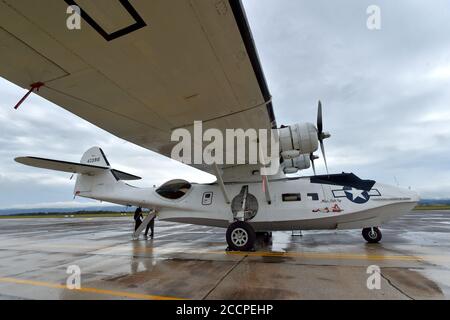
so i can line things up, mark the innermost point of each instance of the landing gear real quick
(372, 235)
(240, 236)
(265, 236)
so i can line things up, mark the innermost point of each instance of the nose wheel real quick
(240, 236)
(372, 235)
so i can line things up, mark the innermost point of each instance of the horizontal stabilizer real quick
(120, 175)
(73, 167)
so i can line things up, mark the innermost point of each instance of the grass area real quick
(69, 215)
(433, 207)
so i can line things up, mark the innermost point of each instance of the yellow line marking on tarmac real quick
(319, 255)
(304, 255)
(122, 294)
(315, 255)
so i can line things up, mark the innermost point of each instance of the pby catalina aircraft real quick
(140, 69)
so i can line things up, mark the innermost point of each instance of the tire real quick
(372, 237)
(240, 236)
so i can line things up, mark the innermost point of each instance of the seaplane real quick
(140, 70)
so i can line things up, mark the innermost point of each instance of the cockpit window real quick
(174, 189)
(313, 196)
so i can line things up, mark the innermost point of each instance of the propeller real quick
(321, 135)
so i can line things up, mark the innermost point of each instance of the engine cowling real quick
(298, 139)
(298, 143)
(301, 162)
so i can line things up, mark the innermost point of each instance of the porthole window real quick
(291, 197)
(207, 198)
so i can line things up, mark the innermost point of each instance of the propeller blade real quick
(323, 154)
(319, 119)
(320, 134)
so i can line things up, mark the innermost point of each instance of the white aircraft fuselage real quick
(331, 201)
(296, 203)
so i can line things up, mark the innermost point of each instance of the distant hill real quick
(434, 202)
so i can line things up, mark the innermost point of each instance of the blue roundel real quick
(356, 196)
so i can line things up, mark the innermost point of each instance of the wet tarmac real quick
(190, 262)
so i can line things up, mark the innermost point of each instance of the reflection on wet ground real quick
(190, 262)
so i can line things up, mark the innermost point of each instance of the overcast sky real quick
(385, 93)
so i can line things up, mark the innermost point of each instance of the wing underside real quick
(140, 69)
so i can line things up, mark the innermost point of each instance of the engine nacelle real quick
(302, 162)
(298, 139)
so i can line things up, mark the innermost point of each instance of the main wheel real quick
(240, 236)
(372, 235)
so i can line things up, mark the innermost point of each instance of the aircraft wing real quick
(140, 69)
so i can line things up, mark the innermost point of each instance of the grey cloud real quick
(376, 86)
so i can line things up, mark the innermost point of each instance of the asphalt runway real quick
(190, 262)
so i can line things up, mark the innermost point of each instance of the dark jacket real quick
(138, 214)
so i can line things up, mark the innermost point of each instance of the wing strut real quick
(221, 184)
(265, 180)
(265, 186)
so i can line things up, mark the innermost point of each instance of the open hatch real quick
(174, 189)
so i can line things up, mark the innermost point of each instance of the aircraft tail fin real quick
(95, 156)
(93, 169)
